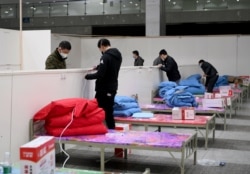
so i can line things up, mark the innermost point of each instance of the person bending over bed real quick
(210, 73)
(169, 65)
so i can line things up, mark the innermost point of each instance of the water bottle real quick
(209, 162)
(1, 168)
(7, 167)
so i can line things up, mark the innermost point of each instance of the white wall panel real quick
(243, 61)
(5, 108)
(9, 48)
(36, 48)
(141, 81)
(221, 51)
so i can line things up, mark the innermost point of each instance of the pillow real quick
(67, 105)
(62, 107)
(122, 99)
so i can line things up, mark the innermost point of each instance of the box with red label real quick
(119, 152)
(188, 113)
(38, 156)
(184, 113)
(245, 80)
(226, 91)
(213, 103)
(212, 95)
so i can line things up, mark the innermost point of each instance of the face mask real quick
(64, 56)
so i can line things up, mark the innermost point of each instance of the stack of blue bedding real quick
(194, 85)
(125, 106)
(178, 97)
(165, 86)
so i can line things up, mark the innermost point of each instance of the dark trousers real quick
(210, 82)
(106, 101)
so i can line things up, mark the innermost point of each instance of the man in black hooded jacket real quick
(106, 76)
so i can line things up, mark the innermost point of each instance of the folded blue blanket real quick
(122, 99)
(126, 113)
(124, 106)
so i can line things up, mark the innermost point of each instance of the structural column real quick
(155, 18)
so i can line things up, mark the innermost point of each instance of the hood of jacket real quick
(114, 52)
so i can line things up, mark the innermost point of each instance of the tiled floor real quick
(231, 146)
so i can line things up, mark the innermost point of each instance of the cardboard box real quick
(38, 156)
(226, 91)
(213, 103)
(183, 113)
(188, 113)
(217, 95)
(176, 113)
(119, 152)
(209, 95)
(244, 80)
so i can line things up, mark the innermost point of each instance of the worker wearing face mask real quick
(56, 60)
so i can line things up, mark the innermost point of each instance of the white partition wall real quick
(36, 48)
(243, 56)
(10, 50)
(6, 111)
(140, 81)
(226, 53)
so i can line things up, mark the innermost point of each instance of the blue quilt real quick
(194, 85)
(125, 106)
(178, 97)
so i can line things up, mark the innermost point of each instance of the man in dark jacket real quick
(210, 73)
(106, 76)
(56, 60)
(138, 59)
(169, 65)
